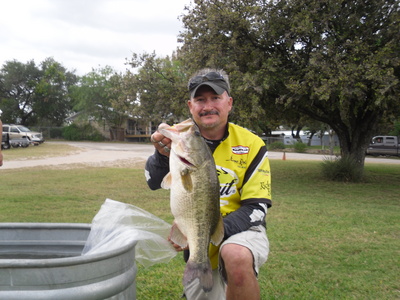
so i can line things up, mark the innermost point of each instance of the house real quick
(138, 130)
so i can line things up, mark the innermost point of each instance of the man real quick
(245, 188)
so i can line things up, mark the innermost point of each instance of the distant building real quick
(285, 136)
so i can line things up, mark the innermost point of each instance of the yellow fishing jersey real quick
(245, 181)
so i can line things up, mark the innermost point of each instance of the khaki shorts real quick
(255, 239)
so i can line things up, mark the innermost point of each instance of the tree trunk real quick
(354, 148)
(312, 133)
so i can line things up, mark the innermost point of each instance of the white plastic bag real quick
(118, 224)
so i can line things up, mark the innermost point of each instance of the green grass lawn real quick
(328, 240)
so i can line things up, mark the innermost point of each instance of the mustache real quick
(208, 113)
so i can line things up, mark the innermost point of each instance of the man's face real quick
(210, 110)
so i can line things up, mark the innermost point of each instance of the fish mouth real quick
(186, 162)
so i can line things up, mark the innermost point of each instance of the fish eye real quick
(197, 133)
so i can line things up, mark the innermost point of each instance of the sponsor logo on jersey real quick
(228, 181)
(239, 150)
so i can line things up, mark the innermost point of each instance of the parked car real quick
(5, 142)
(384, 145)
(24, 142)
(19, 132)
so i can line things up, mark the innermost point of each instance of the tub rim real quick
(63, 261)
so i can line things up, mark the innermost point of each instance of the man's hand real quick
(177, 247)
(161, 143)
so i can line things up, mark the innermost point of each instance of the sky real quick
(88, 34)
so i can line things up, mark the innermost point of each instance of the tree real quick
(348, 68)
(161, 88)
(17, 87)
(95, 94)
(396, 128)
(335, 61)
(52, 96)
(31, 94)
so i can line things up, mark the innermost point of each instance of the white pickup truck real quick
(19, 132)
(384, 145)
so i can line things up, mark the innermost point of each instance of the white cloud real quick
(86, 34)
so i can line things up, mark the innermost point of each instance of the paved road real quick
(304, 156)
(126, 154)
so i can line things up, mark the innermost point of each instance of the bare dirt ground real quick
(134, 156)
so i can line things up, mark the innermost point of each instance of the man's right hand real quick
(161, 143)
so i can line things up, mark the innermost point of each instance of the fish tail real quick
(201, 271)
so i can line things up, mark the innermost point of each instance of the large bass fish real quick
(194, 185)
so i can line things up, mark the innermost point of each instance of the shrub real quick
(76, 132)
(72, 133)
(56, 133)
(343, 169)
(300, 147)
(276, 145)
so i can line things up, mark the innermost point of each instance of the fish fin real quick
(202, 271)
(218, 234)
(166, 182)
(187, 180)
(177, 236)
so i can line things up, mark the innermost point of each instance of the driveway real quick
(90, 154)
(133, 155)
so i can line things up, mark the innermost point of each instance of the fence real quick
(49, 132)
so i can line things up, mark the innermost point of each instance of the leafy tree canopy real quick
(95, 94)
(31, 94)
(335, 61)
(161, 88)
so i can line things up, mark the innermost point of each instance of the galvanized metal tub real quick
(44, 261)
